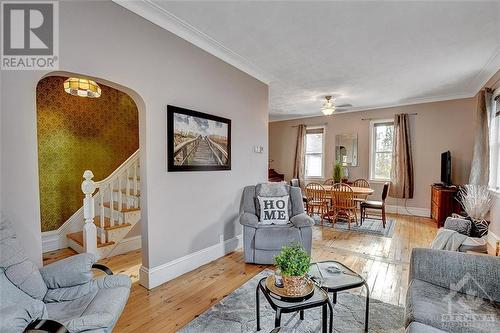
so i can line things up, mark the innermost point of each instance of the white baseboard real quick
(402, 210)
(153, 277)
(493, 239)
(126, 245)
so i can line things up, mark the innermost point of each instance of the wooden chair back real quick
(343, 197)
(329, 181)
(315, 192)
(361, 183)
(385, 191)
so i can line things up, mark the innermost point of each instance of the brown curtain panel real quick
(402, 160)
(480, 167)
(298, 165)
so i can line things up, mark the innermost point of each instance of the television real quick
(446, 168)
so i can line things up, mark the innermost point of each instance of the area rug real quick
(236, 313)
(370, 226)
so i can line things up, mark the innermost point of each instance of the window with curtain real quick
(314, 157)
(495, 144)
(381, 145)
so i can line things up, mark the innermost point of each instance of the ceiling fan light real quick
(328, 108)
(328, 111)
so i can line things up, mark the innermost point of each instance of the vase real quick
(294, 285)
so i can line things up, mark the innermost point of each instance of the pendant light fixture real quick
(82, 87)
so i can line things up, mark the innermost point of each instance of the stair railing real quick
(116, 191)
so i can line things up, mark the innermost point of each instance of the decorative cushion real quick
(479, 228)
(274, 210)
(462, 226)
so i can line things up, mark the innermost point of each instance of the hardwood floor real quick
(384, 262)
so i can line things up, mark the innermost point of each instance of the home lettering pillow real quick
(273, 210)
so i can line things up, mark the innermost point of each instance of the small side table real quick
(318, 299)
(344, 279)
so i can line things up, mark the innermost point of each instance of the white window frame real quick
(372, 151)
(496, 93)
(322, 177)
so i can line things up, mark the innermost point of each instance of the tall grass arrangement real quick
(476, 200)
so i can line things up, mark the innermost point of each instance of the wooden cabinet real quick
(443, 203)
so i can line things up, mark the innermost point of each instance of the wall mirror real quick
(346, 149)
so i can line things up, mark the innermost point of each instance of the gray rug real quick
(236, 313)
(370, 226)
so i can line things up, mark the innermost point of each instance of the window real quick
(314, 152)
(381, 149)
(495, 143)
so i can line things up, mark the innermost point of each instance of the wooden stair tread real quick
(78, 238)
(124, 192)
(107, 224)
(124, 207)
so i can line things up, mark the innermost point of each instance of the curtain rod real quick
(410, 114)
(324, 124)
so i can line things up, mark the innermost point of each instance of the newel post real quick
(89, 228)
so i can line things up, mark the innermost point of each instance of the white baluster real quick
(136, 185)
(120, 199)
(89, 228)
(127, 186)
(102, 218)
(111, 205)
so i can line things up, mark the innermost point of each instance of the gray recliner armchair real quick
(263, 242)
(59, 297)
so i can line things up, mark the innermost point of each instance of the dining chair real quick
(329, 182)
(372, 204)
(343, 203)
(316, 199)
(361, 182)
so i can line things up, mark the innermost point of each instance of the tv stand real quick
(443, 203)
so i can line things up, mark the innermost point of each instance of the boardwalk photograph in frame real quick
(197, 141)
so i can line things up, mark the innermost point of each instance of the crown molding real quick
(412, 101)
(168, 21)
(486, 73)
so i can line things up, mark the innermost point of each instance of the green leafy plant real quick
(293, 260)
(338, 172)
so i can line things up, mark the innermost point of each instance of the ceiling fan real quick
(328, 108)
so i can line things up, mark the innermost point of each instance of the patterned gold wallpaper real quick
(75, 134)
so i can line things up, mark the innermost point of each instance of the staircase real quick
(118, 207)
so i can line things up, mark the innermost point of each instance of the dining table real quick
(358, 192)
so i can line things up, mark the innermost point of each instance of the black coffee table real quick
(338, 280)
(318, 299)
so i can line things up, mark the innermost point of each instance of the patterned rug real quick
(370, 226)
(236, 313)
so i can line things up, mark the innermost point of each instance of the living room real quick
(200, 103)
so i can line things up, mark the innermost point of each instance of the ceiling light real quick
(328, 108)
(82, 87)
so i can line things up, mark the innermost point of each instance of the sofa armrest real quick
(249, 220)
(69, 272)
(471, 274)
(302, 220)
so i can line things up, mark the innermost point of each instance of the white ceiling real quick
(368, 54)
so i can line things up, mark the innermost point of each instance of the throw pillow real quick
(460, 225)
(273, 210)
(479, 228)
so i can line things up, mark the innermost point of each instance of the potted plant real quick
(476, 202)
(293, 262)
(338, 172)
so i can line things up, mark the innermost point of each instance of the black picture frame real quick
(186, 152)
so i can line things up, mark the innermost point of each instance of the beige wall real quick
(438, 127)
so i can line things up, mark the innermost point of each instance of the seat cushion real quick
(371, 204)
(421, 328)
(450, 311)
(273, 237)
(98, 310)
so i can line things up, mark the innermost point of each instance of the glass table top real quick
(333, 275)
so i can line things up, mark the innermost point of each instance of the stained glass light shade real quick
(82, 87)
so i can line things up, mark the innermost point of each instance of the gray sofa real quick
(263, 242)
(453, 292)
(60, 294)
